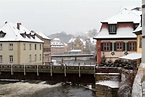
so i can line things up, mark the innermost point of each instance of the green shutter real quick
(114, 46)
(124, 46)
(101, 46)
(110, 46)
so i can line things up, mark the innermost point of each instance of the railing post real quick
(51, 69)
(79, 71)
(64, 69)
(24, 70)
(11, 69)
(94, 70)
(37, 70)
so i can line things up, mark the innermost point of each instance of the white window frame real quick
(1, 58)
(1, 47)
(11, 46)
(11, 59)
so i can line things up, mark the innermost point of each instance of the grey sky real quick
(53, 16)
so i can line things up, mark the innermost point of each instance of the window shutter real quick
(115, 28)
(110, 46)
(114, 46)
(127, 46)
(124, 46)
(101, 46)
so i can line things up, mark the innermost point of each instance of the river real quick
(42, 89)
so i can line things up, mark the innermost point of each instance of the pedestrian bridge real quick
(64, 73)
(72, 55)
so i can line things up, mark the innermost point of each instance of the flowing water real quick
(41, 89)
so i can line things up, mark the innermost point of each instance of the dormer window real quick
(33, 35)
(23, 35)
(135, 26)
(2, 34)
(112, 28)
(28, 35)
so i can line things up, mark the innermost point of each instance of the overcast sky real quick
(54, 16)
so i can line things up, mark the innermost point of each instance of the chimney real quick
(6, 22)
(18, 26)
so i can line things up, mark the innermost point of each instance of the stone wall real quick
(139, 79)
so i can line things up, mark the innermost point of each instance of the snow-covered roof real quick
(138, 29)
(73, 39)
(109, 83)
(125, 15)
(42, 35)
(128, 14)
(132, 56)
(93, 41)
(14, 34)
(56, 43)
(75, 50)
(124, 32)
(56, 39)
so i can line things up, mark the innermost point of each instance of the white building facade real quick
(57, 47)
(19, 45)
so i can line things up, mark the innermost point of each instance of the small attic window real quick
(112, 28)
(28, 35)
(2, 34)
(23, 35)
(135, 26)
(33, 36)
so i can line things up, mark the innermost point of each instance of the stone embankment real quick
(138, 89)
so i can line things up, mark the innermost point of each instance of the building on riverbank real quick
(57, 47)
(138, 89)
(19, 45)
(115, 37)
(46, 47)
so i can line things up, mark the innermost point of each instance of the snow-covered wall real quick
(137, 85)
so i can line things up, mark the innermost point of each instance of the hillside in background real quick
(66, 37)
(62, 36)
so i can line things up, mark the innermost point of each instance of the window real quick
(0, 47)
(135, 26)
(10, 46)
(40, 46)
(46, 50)
(106, 46)
(1, 59)
(144, 19)
(140, 43)
(40, 57)
(35, 46)
(11, 58)
(24, 46)
(35, 57)
(132, 46)
(30, 46)
(112, 29)
(119, 46)
(30, 58)
(2, 34)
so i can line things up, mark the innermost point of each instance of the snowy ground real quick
(111, 84)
